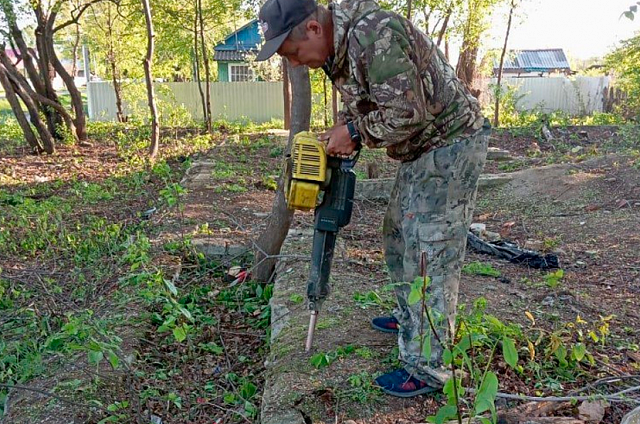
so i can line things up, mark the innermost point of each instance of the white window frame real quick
(242, 65)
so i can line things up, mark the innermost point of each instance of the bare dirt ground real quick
(584, 209)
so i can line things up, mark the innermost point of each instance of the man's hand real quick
(339, 141)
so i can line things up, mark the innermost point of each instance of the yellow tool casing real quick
(308, 172)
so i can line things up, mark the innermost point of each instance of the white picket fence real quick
(256, 101)
(576, 96)
(263, 101)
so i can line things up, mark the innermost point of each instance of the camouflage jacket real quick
(395, 84)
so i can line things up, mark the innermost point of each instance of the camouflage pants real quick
(430, 211)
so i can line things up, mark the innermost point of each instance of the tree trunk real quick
(196, 65)
(31, 138)
(270, 241)
(325, 104)
(155, 127)
(445, 25)
(23, 89)
(496, 116)
(47, 71)
(286, 92)
(409, 6)
(76, 43)
(76, 98)
(205, 60)
(115, 71)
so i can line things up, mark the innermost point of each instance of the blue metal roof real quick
(247, 38)
(547, 60)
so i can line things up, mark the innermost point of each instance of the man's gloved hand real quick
(339, 141)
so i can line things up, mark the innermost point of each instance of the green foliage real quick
(552, 279)
(625, 62)
(324, 359)
(479, 268)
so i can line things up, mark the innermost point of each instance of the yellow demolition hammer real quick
(313, 172)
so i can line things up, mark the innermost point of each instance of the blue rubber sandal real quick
(400, 383)
(385, 324)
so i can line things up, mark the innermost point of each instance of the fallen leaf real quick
(592, 208)
(509, 224)
(592, 412)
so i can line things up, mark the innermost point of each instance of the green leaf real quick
(171, 287)
(95, 356)
(509, 351)
(180, 333)
(113, 359)
(426, 345)
(487, 393)
(561, 354)
(415, 295)
(447, 357)
(445, 413)
(578, 351)
(320, 360)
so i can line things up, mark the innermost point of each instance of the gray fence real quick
(256, 101)
(577, 96)
(263, 101)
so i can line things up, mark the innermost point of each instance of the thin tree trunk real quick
(47, 71)
(271, 240)
(29, 135)
(155, 127)
(115, 72)
(286, 88)
(76, 43)
(409, 6)
(23, 89)
(496, 117)
(445, 25)
(76, 98)
(205, 60)
(196, 66)
(324, 91)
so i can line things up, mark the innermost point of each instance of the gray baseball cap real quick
(277, 18)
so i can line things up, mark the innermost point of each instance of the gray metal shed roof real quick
(546, 60)
(230, 55)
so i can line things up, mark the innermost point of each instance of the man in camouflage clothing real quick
(400, 93)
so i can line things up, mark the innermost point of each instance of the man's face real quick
(312, 52)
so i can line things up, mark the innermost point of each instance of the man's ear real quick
(315, 28)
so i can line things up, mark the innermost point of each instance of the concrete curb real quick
(380, 189)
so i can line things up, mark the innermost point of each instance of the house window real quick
(240, 73)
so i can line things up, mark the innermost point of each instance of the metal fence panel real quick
(255, 101)
(577, 96)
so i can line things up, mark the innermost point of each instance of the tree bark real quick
(76, 98)
(409, 6)
(496, 116)
(47, 71)
(286, 92)
(23, 88)
(31, 138)
(74, 53)
(207, 70)
(115, 71)
(445, 25)
(155, 127)
(196, 65)
(270, 241)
